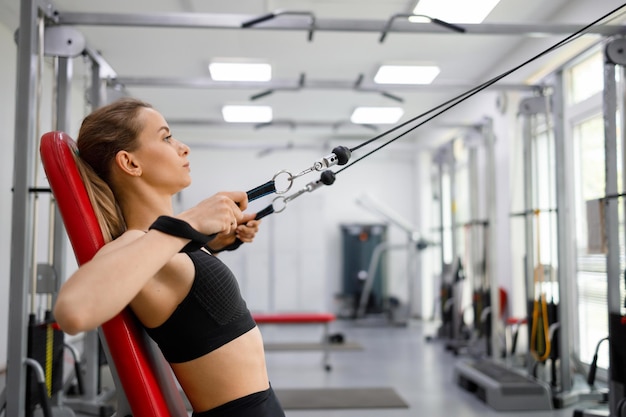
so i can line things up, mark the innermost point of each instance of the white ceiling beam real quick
(298, 22)
(321, 84)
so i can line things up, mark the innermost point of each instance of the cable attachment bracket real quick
(280, 203)
(339, 156)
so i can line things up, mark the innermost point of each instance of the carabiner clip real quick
(280, 203)
(270, 187)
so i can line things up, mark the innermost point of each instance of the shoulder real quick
(124, 239)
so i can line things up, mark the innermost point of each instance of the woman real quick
(187, 300)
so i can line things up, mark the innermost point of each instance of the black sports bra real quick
(212, 314)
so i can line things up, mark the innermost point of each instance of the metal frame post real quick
(453, 215)
(616, 387)
(529, 231)
(565, 221)
(439, 159)
(493, 246)
(22, 206)
(62, 123)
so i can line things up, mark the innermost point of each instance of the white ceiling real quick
(332, 56)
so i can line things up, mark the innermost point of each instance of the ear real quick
(127, 163)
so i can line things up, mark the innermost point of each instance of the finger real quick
(240, 198)
(244, 237)
(232, 227)
(247, 218)
(245, 231)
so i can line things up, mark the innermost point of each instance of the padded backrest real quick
(143, 373)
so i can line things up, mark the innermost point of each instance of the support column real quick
(493, 246)
(527, 109)
(616, 384)
(22, 206)
(566, 225)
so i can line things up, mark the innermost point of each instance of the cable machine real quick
(547, 281)
(488, 377)
(63, 44)
(25, 144)
(615, 62)
(472, 237)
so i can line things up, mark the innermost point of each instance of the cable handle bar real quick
(339, 156)
(279, 203)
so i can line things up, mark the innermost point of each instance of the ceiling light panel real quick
(247, 114)
(406, 74)
(230, 71)
(376, 115)
(456, 11)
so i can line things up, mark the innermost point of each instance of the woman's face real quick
(161, 158)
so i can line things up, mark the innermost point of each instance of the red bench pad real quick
(142, 384)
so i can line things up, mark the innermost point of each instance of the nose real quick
(183, 148)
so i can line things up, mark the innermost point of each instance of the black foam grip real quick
(238, 242)
(327, 177)
(258, 20)
(235, 245)
(343, 155)
(262, 190)
(80, 384)
(592, 371)
(450, 26)
(265, 212)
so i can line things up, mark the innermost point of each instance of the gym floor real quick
(420, 371)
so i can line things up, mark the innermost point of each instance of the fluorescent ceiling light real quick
(226, 71)
(406, 74)
(376, 115)
(456, 11)
(247, 114)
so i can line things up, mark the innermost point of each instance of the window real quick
(591, 263)
(585, 83)
(586, 79)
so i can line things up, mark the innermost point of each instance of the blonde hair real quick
(104, 133)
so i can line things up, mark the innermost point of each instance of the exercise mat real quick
(339, 398)
(269, 347)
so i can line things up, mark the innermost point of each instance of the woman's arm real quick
(102, 287)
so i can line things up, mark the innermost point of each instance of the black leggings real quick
(259, 404)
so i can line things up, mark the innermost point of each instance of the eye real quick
(168, 138)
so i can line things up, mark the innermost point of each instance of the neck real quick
(141, 209)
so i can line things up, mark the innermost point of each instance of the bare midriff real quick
(232, 371)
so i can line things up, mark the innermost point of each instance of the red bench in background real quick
(302, 318)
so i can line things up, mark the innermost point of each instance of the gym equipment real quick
(359, 242)
(303, 318)
(615, 59)
(147, 386)
(502, 388)
(373, 279)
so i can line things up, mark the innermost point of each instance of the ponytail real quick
(108, 212)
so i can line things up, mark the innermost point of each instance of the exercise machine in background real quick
(397, 311)
(615, 62)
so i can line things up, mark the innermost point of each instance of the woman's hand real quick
(220, 213)
(248, 228)
(245, 232)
